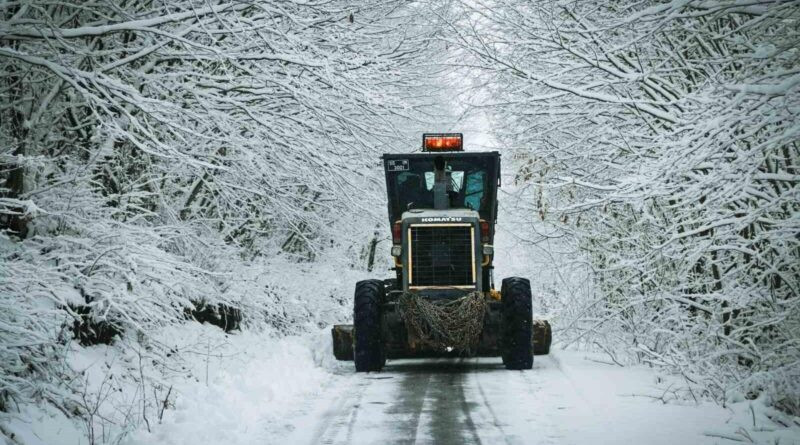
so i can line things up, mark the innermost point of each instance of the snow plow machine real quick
(442, 301)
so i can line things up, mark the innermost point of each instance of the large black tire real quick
(517, 328)
(369, 353)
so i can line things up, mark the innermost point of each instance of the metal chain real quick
(445, 325)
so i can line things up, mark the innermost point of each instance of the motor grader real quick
(442, 302)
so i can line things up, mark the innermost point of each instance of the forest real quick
(163, 163)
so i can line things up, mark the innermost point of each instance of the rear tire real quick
(369, 354)
(517, 351)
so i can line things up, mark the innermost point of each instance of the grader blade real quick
(343, 341)
(542, 337)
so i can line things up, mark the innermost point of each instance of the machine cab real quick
(442, 209)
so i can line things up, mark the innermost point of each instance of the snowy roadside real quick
(248, 394)
(223, 388)
(637, 404)
(192, 383)
(250, 388)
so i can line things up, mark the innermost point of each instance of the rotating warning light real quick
(442, 142)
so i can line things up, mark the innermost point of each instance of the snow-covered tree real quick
(150, 149)
(660, 138)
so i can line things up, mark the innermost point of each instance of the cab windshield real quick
(468, 181)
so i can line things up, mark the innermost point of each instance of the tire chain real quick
(450, 325)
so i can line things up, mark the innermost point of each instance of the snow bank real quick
(164, 381)
(640, 404)
(216, 388)
(258, 381)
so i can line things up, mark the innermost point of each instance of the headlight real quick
(397, 251)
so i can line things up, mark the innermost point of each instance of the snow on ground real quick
(245, 396)
(570, 397)
(224, 388)
(229, 383)
(254, 389)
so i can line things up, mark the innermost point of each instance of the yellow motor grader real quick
(442, 301)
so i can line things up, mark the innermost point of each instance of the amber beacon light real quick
(442, 142)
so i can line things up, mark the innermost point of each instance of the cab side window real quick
(473, 193)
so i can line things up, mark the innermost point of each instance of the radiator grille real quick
(441, 256)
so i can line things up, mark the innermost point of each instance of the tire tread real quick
(517, 350)
(368, 352)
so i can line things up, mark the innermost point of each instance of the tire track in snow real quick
(444, 401)
(590, 403)
(413, 391)
(450, 418)
(495, 421)
(558, 401)
(466, 407)
(342, 412)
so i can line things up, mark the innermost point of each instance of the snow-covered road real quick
(291, 391)
(565, 399)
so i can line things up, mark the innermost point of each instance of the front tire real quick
(517, 351)
(368, 351)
